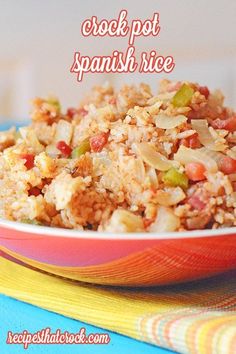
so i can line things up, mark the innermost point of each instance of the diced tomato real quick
(194, 142)
(191, 142)
(228, 124)
(71, 112)
(83, 112)
(34, 191)
(209, 112)
(196, 203)
(64, 148)
(147, 222)
(195, 171)
(29, 160)
(227, 165)
(234, 185)
(204, 91)
(97, 142)
(112, 100)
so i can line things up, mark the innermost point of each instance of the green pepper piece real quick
(183, 96)
(54, 102)
(175, 178)
(81, 149)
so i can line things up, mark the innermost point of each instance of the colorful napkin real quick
(198, 317)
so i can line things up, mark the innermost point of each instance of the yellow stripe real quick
(121, 310)
(96, 305)
(207, 330)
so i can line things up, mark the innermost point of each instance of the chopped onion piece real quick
(30, 138)
(166, 221)
(151, 173)
(166, 122)
(139, 170)
(186, 134)
(186, 155)
(101, 161)
(204, 135)
(124, 221)
(52, 151)
(215, 155)
(170, 196)
(161, 97)
(64, 132)
(232, 153)
(153, 158)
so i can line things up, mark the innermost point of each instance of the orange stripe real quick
(175, 264)
(232, 345)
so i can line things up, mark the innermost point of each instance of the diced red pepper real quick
(34, 191)
(64, 148)
(196, 203)
(71, 112)
(97, 142)
(227, 165)
(195, 171)
(191, 142)
(184, 142)
(227, 124)
(29, 160)
(204, 91)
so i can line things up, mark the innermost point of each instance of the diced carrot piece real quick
(195, 171)
(227, 165)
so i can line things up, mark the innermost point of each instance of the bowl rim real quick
(60, 232)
